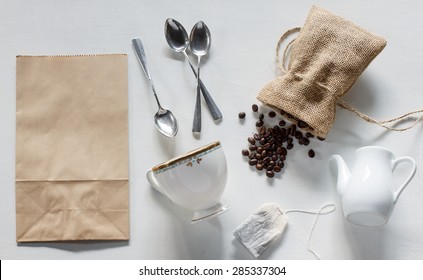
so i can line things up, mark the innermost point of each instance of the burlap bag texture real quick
(325, 60)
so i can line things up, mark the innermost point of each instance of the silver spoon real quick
(177, 39)
(200, 41)
(165, 121)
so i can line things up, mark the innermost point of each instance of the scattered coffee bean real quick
(259, 123)
(270, 174)
(241, 115)
(253, 162)
(268, 147)
(253, 148)
(298, 135)
(321, 138)
(302, 124)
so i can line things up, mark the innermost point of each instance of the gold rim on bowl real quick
(185, 156)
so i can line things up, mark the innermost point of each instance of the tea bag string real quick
(341, 103)
(325, 209)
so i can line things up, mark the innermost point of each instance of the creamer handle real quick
(396, 162)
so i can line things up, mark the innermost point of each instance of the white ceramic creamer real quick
(368, 193)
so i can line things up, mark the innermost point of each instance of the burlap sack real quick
(72, 148)
(325, 60)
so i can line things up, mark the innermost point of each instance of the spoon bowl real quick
(176, 35)
(178, 40)
(166, 122)
(200, 39)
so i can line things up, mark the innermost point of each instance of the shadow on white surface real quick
(187, 241)
(367, 243)
(77, 246)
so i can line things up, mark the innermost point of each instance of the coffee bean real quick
(311, 153)
(305, 141)
(284, 151)
(245, 152)
(321, 138)
(266, 160)
(282, 123)
(266, 146)
(256, 136)
(252, 155)
(259, 166)
(281, 164)
(298, 135)
(258, 156)
(279, 150)
(251, 140)
(274, 157)
(253, 162)
(293, 129)
(260, 150)
(289, 116)
(262, 131)
(290, 146)
(302, 124)
(254, 107)
(270, 167)
(241, 115)
(309, 135)
(272, 114)
(259, 123)
(261, 116)
(253, 148)
(262, 141)
(277, 168)
(270, 174)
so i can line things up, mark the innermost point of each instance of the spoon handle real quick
(196, 125)
(214, 110)
(139, 50)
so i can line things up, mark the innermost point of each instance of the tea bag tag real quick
(259, 230)
(268, 223)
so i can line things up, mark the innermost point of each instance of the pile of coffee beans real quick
(269, 146)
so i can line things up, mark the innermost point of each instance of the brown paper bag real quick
(72, 148)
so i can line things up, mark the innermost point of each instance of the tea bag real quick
(262, 228)
(268, 223)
